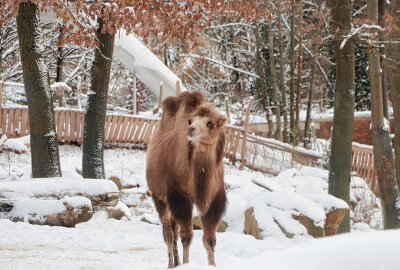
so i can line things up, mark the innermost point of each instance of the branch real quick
(222, 64)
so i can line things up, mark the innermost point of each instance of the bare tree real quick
(340, 159)
(44, 143)
(383, 153)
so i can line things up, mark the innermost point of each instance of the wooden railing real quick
(266, 155)
(363, 165)
(119, 129)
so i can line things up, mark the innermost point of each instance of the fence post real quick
(134, 95)
(78, 92)
(245, 130)
(227, 110)
(178, 87)
(161, 94)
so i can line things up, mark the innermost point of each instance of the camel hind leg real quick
(175, 229)
(211, 220)
(181, 208)
(168, 233)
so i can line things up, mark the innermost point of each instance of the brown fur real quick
(182, 173)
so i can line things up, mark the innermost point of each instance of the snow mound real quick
(48, 187)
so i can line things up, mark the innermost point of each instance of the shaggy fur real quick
(184, 168)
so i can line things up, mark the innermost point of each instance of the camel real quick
(185, 169)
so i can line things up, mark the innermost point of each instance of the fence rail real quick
(261, 154)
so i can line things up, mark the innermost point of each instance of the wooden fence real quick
(260, 153)
(363, 165)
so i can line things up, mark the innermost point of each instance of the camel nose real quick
(190, 131)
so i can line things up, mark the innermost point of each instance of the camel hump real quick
(191, 100)
(170, 105)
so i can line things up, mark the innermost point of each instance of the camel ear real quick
(170, 105)
(221, 120)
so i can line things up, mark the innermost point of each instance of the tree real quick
(307, 125)
(340, 159)
(392, 60)
(282, 84)
(383, 153)
(299, 74)
(93, 138)
(44, 143)
(274, 77)
(292, 69)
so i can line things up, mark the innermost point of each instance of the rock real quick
(197, 225)
(250, 224)
(334, 218)
(117, 181)
(312, 229)
(119, 211)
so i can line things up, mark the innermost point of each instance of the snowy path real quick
(111, 244)
(108, 244)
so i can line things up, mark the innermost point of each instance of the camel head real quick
(205, 124)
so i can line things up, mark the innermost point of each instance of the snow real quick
(61, 85)
(27, 208)
(15, 145)
(133, 244)
(47, 187)
(350, 251)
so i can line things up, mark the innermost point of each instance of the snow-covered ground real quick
(132, 244)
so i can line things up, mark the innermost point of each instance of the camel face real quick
(204, 125)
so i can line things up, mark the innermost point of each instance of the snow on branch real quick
(222, 64)
(355, 31)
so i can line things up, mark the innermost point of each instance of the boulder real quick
(198, 225)
(334, 218)
(250, 224)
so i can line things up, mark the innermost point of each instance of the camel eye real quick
(210, 125)
(190, 122)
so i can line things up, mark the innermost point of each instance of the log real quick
(101, 192)
(66, 212)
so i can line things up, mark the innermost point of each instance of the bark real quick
(292, 67)
(340, 159)
(263, 82)
(381, 22)
(60, 52)
(275, 90)
(282, 85)
(44, 144)
(299, 72)
(307, 129)
(392, 65)
(93, 138)
(383, 154)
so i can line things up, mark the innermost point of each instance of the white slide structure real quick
(149, 69)
(138, 59)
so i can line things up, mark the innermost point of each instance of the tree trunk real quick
(60, 53)
(263, 83)
(282, 84)
(340, 159)
(307, 130)
(381, 22)
(383, 153)
(44, 144)
(275, 94)
(292, 67)
(93, 138)
(392, 65)
(299, 72)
